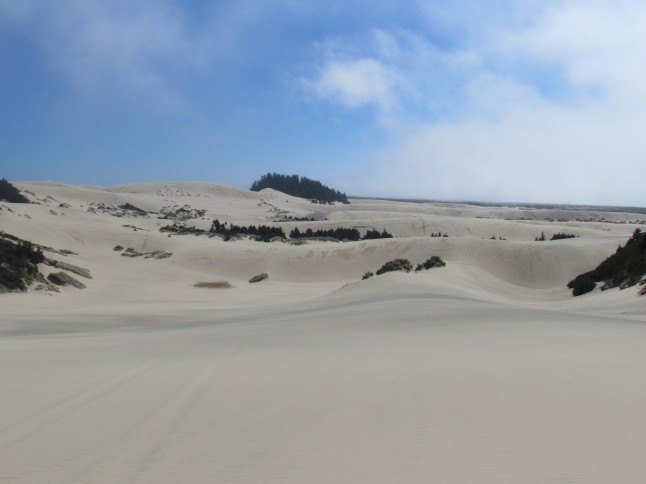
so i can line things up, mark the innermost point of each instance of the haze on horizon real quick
(530, 101)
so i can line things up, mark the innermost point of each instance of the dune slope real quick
(486, 370)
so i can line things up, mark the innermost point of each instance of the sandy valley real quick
(486, 370)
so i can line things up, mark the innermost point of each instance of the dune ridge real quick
(485, 370)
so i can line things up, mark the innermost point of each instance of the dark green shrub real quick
(563, 235)
(367, 275)
(624, 268)
(338, 233)
(375, 234)
(18, 266)
(431, 263)
(130, 207)
(396, 265)
(259, 277)
(581, 285)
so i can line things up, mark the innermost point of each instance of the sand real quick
(486, 370)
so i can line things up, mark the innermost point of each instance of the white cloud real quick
(356, 83)
(503, 134)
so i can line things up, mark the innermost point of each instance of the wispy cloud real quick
(495, 128)
(140, 49)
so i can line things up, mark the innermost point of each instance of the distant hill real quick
(9, 193)
(624, 268)
(299, 186)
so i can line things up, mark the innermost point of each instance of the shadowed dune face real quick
(486, 370)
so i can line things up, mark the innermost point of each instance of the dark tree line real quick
(9, 193)
(375, 234)
(266, 232)
(557, 236)
(563, 235)
(340, 234)
(337, 233)
(263, 232)
(624, 268)
(299, 186)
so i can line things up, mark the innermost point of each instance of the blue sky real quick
(504, 100)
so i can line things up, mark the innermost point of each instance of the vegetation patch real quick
(64, 279)
(69, 267)
(213, 285)
(431, 263)
(132, 208)
(339, 233)
(563, 235)
(259, 277)
(156, 254)
(375, 234)
(367, 275)
(262, 232)
(299, 186)
(18, 265)
(10, 193)
(395, 265)
(182, 229)
(182, 213)
(625, 268)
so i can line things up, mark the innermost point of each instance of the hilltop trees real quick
(299, 186)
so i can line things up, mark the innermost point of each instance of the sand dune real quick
(486, 370)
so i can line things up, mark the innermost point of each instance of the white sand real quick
(484, 371)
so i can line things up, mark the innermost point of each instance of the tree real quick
(302, 187)
(624, 268)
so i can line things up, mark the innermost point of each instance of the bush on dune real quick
(431, 263)
(395, 265)
(625, 268)
(18, 265)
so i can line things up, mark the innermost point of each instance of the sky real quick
(504, 100)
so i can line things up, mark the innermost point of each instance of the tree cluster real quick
(299, 186)
(624, 268)
(563, 235)
(11, 194)
(340, 233)
(375, 234)
(557, 236)
(262, 232)
(438, 234)
(181, 229)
